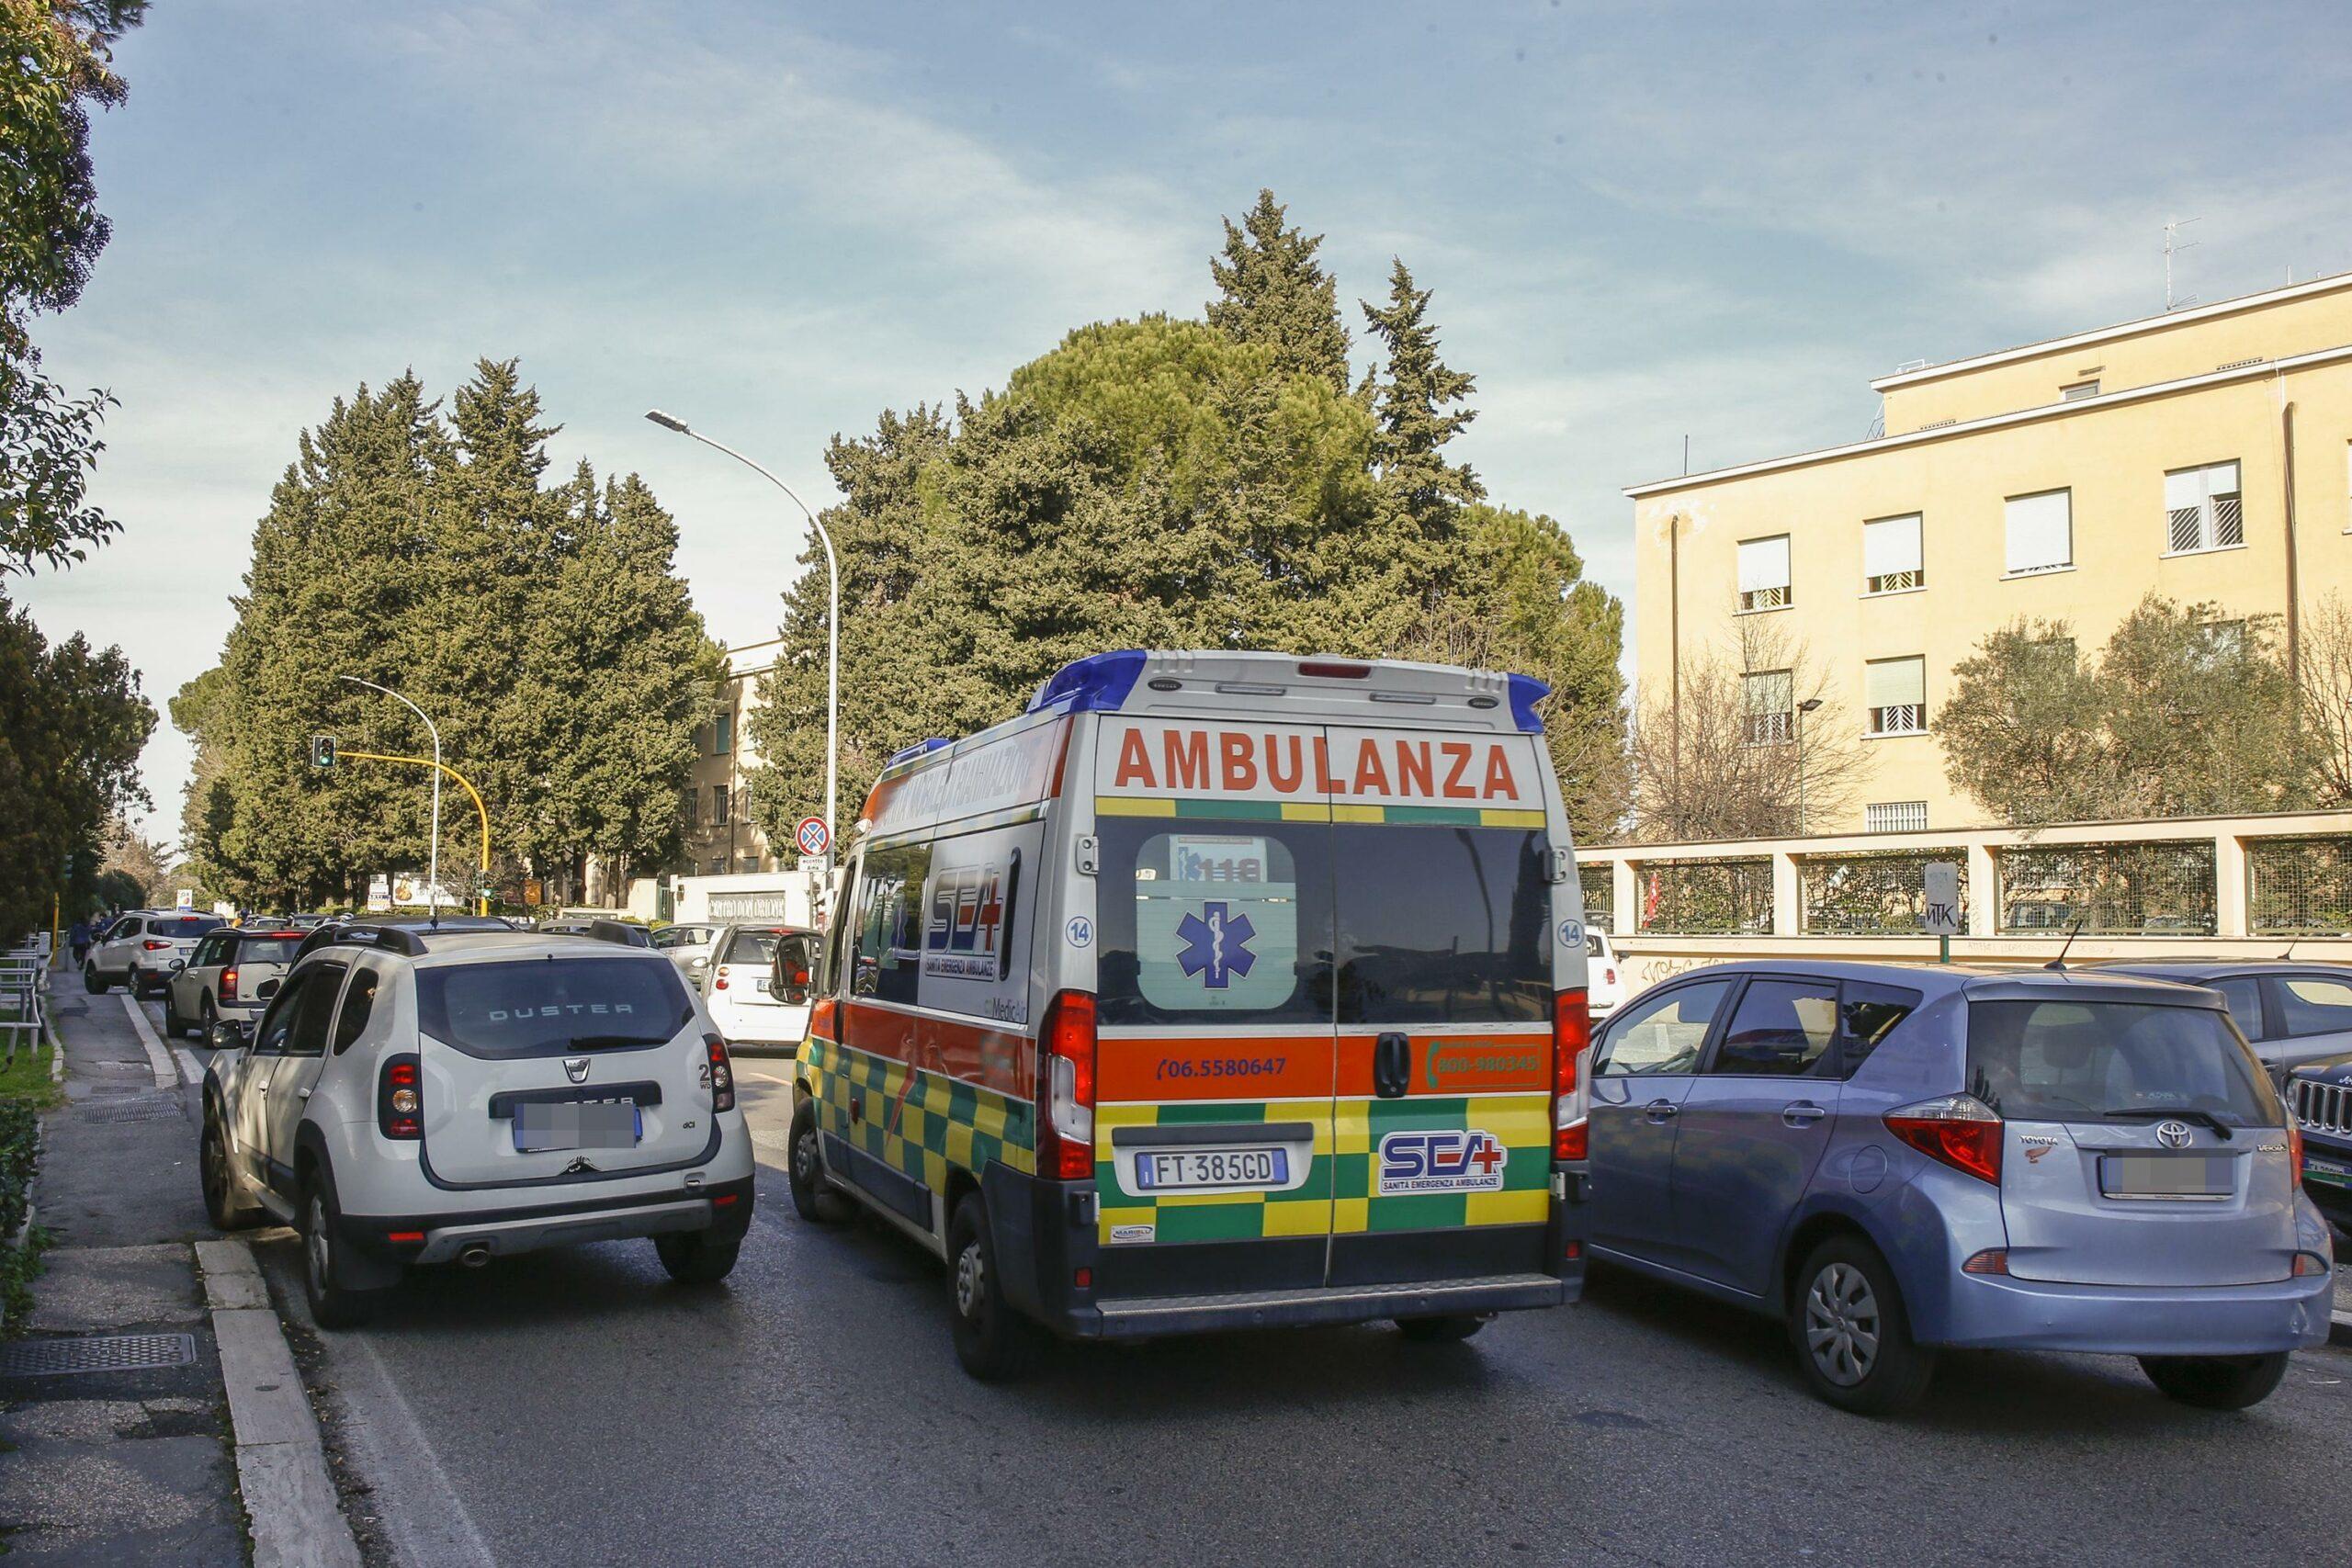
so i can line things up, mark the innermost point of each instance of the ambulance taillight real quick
(1065, 1131)
(1571, 1060)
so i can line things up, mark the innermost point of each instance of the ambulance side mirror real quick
(792, 976)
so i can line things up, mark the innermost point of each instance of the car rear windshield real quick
(184, 928)
(267, 949)
(546, 1007)
(751, 947)
(2093, 1061)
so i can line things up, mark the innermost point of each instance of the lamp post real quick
(1805, 708)
(433, 877)
(833, 626)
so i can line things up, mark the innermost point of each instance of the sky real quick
(1643, 222)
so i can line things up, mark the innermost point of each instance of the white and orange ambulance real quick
(1217, 990)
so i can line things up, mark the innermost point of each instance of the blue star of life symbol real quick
(1217, 945)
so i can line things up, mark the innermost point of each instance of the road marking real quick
(157, 1057)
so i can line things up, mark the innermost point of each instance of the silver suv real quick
(416, 1095)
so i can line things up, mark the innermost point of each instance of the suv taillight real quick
(722, 1076)
(1066, 1079)
(1958, 1130)
(1571, 1056)
(229, 984)
(400, 1098)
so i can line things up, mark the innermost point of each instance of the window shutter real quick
(1894, 683)
(2040, 531)
(1889, 545)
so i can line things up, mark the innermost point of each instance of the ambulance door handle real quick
(1392, 1065)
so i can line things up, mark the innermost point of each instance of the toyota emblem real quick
(2173, 1134)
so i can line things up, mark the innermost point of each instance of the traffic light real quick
(323, 751)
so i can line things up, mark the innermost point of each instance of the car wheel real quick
(333, 1304)
(2216, 1383)
(92, 981)
(1450, 1329)
(220, 1202)
(692, 1259)
(807, 1170)
(992, 1340)
(1853, 1342)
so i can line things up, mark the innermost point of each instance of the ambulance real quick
(1218, 990)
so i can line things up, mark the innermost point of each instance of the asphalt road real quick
(577, 1408)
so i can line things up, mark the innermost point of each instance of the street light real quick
(832, 615)
(432, 881)
(1805, 708)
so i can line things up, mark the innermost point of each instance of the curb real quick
(281, 1462)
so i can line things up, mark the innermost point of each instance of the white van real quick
(1217, 990)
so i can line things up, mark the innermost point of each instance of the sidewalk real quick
(130, 1463)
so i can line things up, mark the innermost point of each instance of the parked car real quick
(141, 950)
(1604, 981)
(1895, 1158)
(735, 988)
(417, 1094)
(2319, 1093)
(687, 946)
(233, 974)
(2291, 1012)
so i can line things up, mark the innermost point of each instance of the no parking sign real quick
(812, 836)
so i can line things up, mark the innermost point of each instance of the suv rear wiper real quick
(2159, 1113)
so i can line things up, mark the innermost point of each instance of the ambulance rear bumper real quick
(1136, 1316)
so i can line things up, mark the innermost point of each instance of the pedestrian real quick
(80, 937)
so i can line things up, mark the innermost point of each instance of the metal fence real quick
(1600, 884)
(2162, 888)
(1880, 893)
(1695, 897)
(2299, 887)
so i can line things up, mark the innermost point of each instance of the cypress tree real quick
(1272, 291)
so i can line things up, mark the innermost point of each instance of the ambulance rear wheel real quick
(992, 1340)
(1448, 1330)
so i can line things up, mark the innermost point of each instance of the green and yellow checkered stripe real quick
(945, 1125)
(1312, 811)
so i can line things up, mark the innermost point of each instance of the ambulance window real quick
(1443, 924)
(1214, 920)
(888, 923)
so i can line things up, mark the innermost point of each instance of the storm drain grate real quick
(104, 1353)
(146, 1107)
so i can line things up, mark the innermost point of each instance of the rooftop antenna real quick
(2058, 964)
(2173, 247)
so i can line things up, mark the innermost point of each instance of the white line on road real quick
(157, 1058)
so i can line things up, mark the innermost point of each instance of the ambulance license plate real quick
(1194, 1171)
(578, 1124)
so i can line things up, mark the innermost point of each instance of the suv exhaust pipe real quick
(475, 1255)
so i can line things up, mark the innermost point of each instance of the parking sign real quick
(812, 836)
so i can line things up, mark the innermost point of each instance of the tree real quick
(54, 64)
(2186, 714)
(1271, 291)
(1736, 756)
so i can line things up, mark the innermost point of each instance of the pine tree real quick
(1272, 291)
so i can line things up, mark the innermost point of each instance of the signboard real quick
(813, 837)
(1942, 912)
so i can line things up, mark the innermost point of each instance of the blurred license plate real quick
(578, 1124)
(1200, 1169)
(2164, 1176)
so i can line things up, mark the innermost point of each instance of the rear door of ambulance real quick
(1447, 943)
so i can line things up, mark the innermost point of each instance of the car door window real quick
(308, 1037)
(2312, 1004)
(1869, 1013)
(358, 1006)
(1781, 1029)
(270, 1040)
(2244, 994)
(1663, 1033)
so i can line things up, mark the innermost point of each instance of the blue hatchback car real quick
(1896, 1158)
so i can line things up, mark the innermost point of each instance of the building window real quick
(722, 735)
(2202, 508)
(1896, 691)
(1769, 697)
(2041, 532)
(718, 806)
(1891, 555)
(1764, 573)
(1895, 817)
(2077, 392)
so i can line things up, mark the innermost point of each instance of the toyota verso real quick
(1896, 1159)
(420, 1095)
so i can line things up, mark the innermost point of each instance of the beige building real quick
(720, 839)
(2205, 454)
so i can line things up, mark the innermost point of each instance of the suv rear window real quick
(2075, 1061)
(182, 927)
(549, 1006)
(267, 949)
